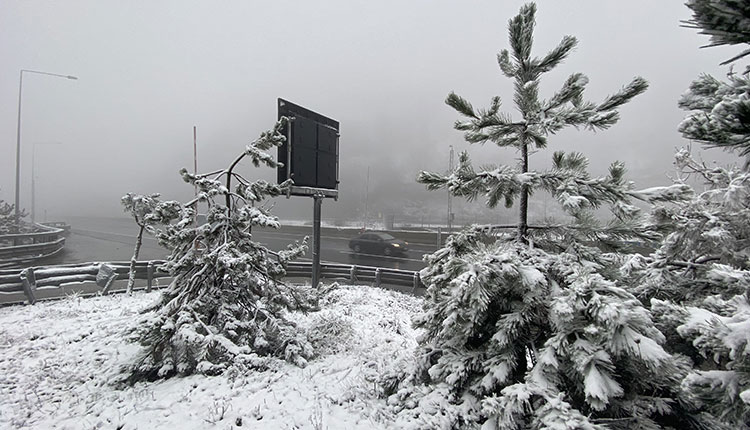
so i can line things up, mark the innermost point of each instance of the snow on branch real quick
(670, 193)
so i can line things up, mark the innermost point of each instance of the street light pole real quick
(18, 135)
(33, 177)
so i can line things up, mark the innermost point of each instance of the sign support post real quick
(317, 204)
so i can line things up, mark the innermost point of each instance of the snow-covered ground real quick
(59, 362)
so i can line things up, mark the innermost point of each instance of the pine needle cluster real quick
(727, 22)
(720, 113)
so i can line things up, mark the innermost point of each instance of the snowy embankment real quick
(59, 362)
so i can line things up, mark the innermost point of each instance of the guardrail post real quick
(149, 276)
(105, 277)
(353, 274)
(29, 284)
(378, 275)
(416, 282)
(439, 237)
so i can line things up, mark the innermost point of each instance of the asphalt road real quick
(113, 239)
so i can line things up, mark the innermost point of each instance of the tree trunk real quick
(131, 275)
(523, 209)
(522, 364)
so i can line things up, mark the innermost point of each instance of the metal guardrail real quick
(379, 276)
(28, 281)
(25, 247)
(57, 224)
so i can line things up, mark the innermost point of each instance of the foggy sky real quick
(150, 71)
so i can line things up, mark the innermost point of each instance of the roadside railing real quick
(378, 276)
(31, 280)
(64, 226)
(24, 247)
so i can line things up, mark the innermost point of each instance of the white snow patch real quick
(668, 193)
(737, 338)
(599, 387)
(715, 379)
(531, 276)
(727, 274)
(526, 178)
(697, 317)
(573, 202)
(58, 361)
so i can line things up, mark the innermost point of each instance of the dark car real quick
(378, 243)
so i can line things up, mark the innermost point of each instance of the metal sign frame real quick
(291, 111)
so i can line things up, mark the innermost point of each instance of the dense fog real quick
(149, 72)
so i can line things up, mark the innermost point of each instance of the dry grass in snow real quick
(59, 363)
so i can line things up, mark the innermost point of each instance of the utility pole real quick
(195, 156)
(195, 172)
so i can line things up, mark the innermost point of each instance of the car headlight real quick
(396, 245)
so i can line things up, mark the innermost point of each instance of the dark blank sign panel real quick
(310, 154)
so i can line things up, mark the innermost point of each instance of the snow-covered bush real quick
(698, 283)
(705, 241)
(9, 222)
(698, 280)
(520, 337)
(227, 303)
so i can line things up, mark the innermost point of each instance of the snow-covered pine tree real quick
(147, 212)
(698, 280)
(540, 118)
(227, 304)
(537, 332)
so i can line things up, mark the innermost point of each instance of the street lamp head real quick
(72, 77)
